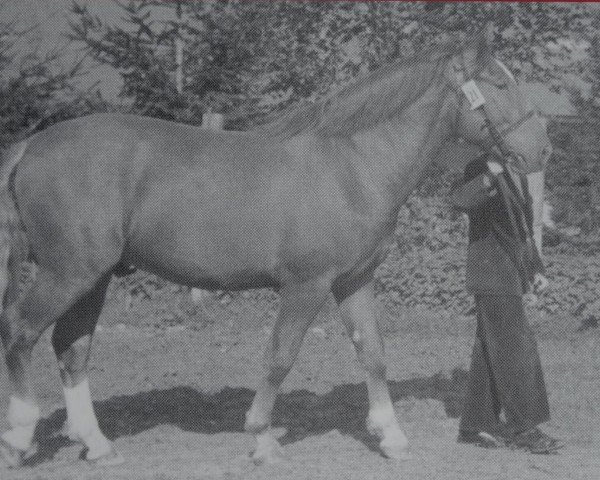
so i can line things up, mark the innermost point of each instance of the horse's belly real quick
(205, 248)
(217, 271)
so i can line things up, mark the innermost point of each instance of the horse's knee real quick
(371, 359)
(73, 359)
(376, 367)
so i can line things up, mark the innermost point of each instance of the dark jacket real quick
(499, 260)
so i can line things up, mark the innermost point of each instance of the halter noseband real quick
(515, 125)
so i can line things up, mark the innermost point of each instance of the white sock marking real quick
(383, 417)
(22, 417)
(383, 423)
(82, 420)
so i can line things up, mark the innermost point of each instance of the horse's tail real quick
(12, 244)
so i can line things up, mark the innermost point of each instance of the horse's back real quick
(174, 198)
(206, 208)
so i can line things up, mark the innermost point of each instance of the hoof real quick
(267, 458)
(395, 446)
(268, 451)
(109, 459)
(13, 457)
(395, 452)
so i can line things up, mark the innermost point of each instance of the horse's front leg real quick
(300, 304)
(358, 314)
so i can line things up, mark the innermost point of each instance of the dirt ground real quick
(172, 383)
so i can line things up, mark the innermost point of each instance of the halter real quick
(510, 193)
(471, 92)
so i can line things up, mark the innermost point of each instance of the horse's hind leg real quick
(21, 324)
(358, 314)
(71, 339)
(300, 304)
(23, 412)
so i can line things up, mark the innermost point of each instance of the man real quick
(503, 263)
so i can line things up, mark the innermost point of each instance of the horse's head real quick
(492, 111)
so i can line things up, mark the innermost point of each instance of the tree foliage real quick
(36, 88)
(588, 102)
(216, 57)
(248, 58)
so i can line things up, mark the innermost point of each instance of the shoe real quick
(481, 439)
(536, 441)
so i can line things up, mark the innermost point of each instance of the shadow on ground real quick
(301, 412)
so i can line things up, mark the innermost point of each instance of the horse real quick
(306, 204)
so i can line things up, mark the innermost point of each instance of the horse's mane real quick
(373, 98)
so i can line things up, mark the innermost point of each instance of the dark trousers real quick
(506, 372)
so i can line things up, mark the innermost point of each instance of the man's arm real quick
(535, 189)
(535, 182)
(475, 189)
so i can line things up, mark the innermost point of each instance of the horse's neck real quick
(397, 152)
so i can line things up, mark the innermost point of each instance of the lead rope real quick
(517, 199)
(508, 197)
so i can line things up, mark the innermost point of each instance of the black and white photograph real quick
(299, 240)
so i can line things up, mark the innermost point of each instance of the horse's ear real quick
(487, 35)
(456, 73)
(479, 54)
(474, 56)
(484, 46)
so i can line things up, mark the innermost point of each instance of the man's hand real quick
(495, 168)
(540, 282)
